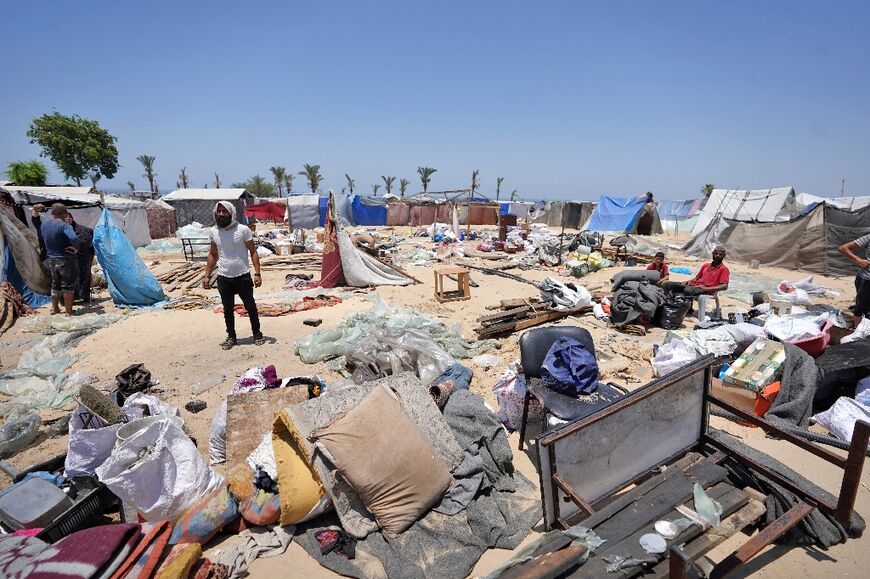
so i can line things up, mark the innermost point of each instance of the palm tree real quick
(312, 173)
(707, 189)
(475, 181)
(403, 185)
(350, 183)
(257, 185)
(375, 190)
(278, 175)
(388, 183)
(217, 181)
(288, 182)
(425, 177)
(343, 189)
(182, 177)
(148, 163)
(514, 195)
(131, 185)
(498, 183)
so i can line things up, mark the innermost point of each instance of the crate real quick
(96, 502)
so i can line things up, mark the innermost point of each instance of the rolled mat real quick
(441, 392)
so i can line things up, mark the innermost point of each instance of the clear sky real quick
(563, 99)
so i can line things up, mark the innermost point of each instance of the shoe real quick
(228, 343)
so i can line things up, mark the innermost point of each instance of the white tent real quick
(128, 214)
(764, 205)
(805, 200)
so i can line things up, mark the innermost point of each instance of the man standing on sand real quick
(862, 278)
(713, 277)
(231, 243)
(61, 246)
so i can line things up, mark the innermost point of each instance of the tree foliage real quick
(403, 186)
(27, 173)
(707, 189)
(288, 182)
(79, 147)
(312, 173)
(475, 181)
(375, 190)
(350, 183)
(278, 174)
(258, 186)
(388, 183)
(217, 181)
(182, 178)
(498, 183)
(148, 164)
(425, 176)
(131, 185)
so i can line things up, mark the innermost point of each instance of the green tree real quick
(182, 177)
(350, 183)
(514, 195)
(217, 181)
(312, 173)
(258, 186)
(498, 183)
(131, 185)
(148, 164)
(94, 177)
(425, 177)
(278, 176)
(79, 147)
(475, 181)
(27, 173)
(388, 183)
(288, 182)
(707, 189)
(403, 186)
(375, 190)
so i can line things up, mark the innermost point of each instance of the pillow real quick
(387, 459)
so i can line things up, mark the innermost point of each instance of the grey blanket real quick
(800, 378)
(815, 529)
(449, 545)
(634, 299)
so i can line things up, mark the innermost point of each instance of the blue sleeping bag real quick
(569, 368)
(130, 281)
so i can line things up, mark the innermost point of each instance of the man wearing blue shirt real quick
(61, 246)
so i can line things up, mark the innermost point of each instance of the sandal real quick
(259, 340)
(228, 343)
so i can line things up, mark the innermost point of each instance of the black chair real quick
(534, 346)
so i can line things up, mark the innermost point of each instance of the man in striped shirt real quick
(862, 279)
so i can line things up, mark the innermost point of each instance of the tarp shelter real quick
(303, 210)
(198, 204)
(756, 205)
(161, 218)
(625, 215)
(323, 204)
(266, 211)
(807, 243)
(520, 209)
(85, 206)
(806, 201)
(679, 215)
(369, 211)
(20, 263)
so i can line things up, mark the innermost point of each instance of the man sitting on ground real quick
(660, 266)
(61, 246)
(712, 278)
(862, 278)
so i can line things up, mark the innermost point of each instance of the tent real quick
(266, 211)
(756, 205)
(624, 215)
(198, 204)
(303, 210)
(86, 206)
(679, 215)
(806, 201)
(808, 242)
(20, 263)
(161, 218)
(369, 211)
(322, 205)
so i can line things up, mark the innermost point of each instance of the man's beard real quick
(717, 262)
(223, 221)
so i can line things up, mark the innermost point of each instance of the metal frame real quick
(679, 565)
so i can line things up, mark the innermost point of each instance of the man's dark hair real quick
(58, 210)
(660, 254)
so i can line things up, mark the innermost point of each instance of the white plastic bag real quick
(861, 332)
(840, 418)
(88, 448)
(159, 472)
(673, 355)
(510, 391)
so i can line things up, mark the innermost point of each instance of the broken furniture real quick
(463, 292)
(195, 248)
(517, 315)
(586, 465)
(534, 346)
(250, 417)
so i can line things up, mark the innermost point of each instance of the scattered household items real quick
(520, 314)
(635, 302)
(185, 276)
(564, 296)
(12, 306)
(841, 418)
(463, 291)
(758, 366)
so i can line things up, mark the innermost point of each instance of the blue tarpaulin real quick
(324, 205)
(673, 210)
(365, 212)
(130, 281)
(504, 208)
(10, 274)
(616, 213)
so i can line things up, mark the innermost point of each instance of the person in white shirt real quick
(231, 244)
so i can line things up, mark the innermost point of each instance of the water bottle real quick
(208, 383)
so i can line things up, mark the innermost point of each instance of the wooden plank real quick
(552, 565)
(250, 417)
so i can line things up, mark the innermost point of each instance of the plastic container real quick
(702, 307)
(815, 345)
(32, 504)
(90, 504)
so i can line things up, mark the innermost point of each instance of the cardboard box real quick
(734, 395)
(759, 365)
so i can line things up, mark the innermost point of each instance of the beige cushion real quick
(387, 459)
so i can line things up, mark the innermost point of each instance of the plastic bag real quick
(510, 391)
(861, 331)
(217, 436)
(708, 509)
(55, 324)
(790, 329)
(193, 230)
(673, 311)
(672, 356)
(486, 361)
(840, 418)
(159, 472)
(569, 368)
(564, 296)
(18, 432)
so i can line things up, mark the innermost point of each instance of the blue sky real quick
(563, 99)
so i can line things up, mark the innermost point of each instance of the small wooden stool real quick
(462, 277)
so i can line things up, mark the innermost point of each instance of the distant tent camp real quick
(198, 204)
(624, 215)
(806, 201)
(809, 242)
(756, 205)
(679, 215)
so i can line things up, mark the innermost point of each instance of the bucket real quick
(702, 307)
(135, 426)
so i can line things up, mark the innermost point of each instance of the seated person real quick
(713, 277)
(660, 266)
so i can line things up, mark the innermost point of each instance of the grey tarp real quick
(808, 243)
(24, 246)
(189, 210)
(304, 211)
(363, 270)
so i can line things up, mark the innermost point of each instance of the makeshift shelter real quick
(198, 204)
(161, 218)
(20, 263)
(679, 215)
(805, 201)
(266, 211)
(86, 206)
(808, 243)
(761, 205)
(624, 215)
(323, 203)
(303, 211)
(369, 211)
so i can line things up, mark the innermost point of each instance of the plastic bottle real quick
(208, 383)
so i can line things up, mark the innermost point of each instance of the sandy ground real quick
(180, 348)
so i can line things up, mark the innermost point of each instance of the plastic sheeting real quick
(10, 273)
(266, 211)
(624, 214)
(761, 205)
(24, 246)
(362, 270)
(304, 211)
(130, 281)
(323, 204)
(368, 211)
